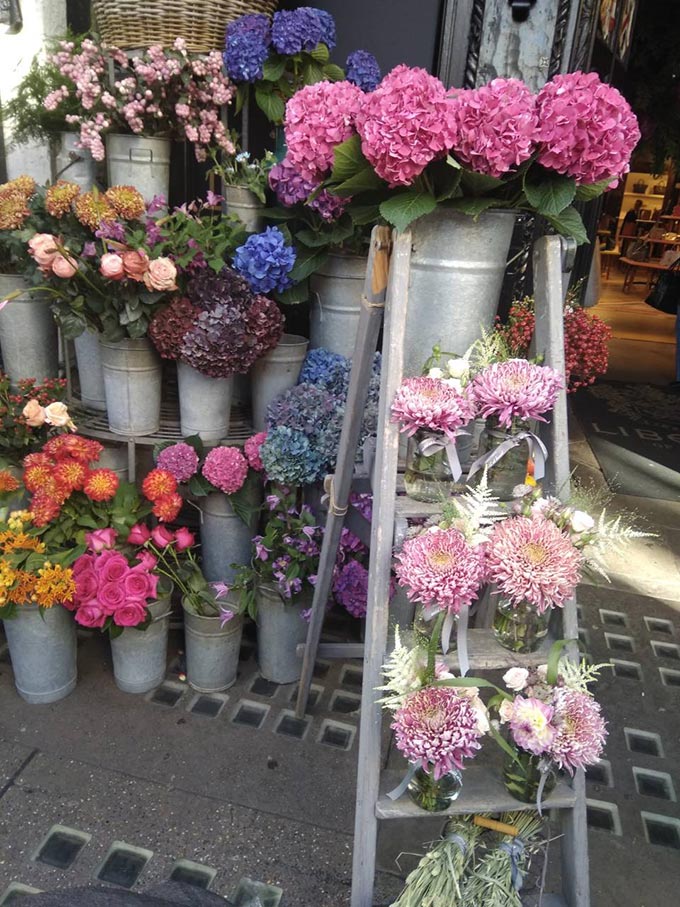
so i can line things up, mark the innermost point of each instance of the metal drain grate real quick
(262, 687)
(315, 693)
(290, 726)
(15, 893)
(643, 742)
(666, 650)
(190, 873)
(669, 678)
(123, 864)
(603, 815)
(618, 643)
(351, 677)
(339, 736)
(661, 830)
(600, 773)
(209, 705)
(613, 618)
(321, 668)
(250, 714)
(61, 847)
(167, 694)
(653, 784)
(659, 625)
(628, 669)
(345, 703)
(250, 892)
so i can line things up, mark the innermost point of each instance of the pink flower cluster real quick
(431, 403)
(158, 274)
(179, 459)
(437, 727)
(226, 468)
(587, 129)
(43, 249)
(516, 389)
(252, 450)
(496, 126)
(404, 124)
(319, 117)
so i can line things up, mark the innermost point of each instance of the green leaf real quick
(404, 207)
(365, 180)
(569, 223)
(242, 93)
(312, 73)
(479, 183)
(199, 486)
(347, 160)
(472, 206)
(321, 53)
(593, 190)
(549, 193)
(273, 68)
(364, 214)
(294, 295)
(333, 73)
(307, 262)
(270, 104)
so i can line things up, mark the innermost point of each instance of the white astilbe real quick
(491, 347)
(578, 675)
(475, 512)
(610, 536)
(402, 672)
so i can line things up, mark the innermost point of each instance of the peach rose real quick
(136, 264)
(161, 275)
(34, 414)
(56, 414)
(64, 267)
(43, 248)
(111, 266)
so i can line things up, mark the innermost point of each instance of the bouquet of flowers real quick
(241, 169)
(515, 392)
(30, 413)
(18, 217)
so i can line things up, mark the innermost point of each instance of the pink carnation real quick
(581, 729)
(433, 404)
(437, 727)
(319, 117)
(181, 460)
(587, 129)
(516, 389)
(531, 560)
(404, 124)
(226, 468)
(252, 450)
(496, 126)
(440, 569)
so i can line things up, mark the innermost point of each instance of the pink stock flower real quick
(581, 730)
(496, 126)
(516, 389)
(184, 539)
(404, 124)
(43, 248)
(587, 128)
(91, 614)
(99, 539)
(530, 725)
(111, 266)
(130, 614)
(139, 534)
(181, 460)
(111, 596)
(162, 536)
(433, 404)
(438, 728)
(531, 560)
(226, 468)
(319, 117)
(440, 569)
(64, 267)
(252, 450)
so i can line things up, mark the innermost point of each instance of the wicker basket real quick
(131, 24)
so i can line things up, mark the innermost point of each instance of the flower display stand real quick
(386, 290)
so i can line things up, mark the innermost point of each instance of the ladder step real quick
(335, 650)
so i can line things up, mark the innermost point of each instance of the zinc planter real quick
(275, 373)
(246, 206)
(135, 160)
(90, 371)
(211, 651)
(280, 630)
(42, 649)
(115, 457)
(140, 656)
(457, 270)
(225, 538)
(72, 163)
(204, 403)
(132, 382)
(337, 288)
(28, 333)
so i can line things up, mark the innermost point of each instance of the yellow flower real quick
(18, 519)
(19, 540)
(7, 575)
(54, 585)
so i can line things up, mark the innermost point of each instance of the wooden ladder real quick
(385, 299)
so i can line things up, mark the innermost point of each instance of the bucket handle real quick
(141, 157)
(155, 620)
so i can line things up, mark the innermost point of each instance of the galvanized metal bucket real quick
(457, 269)
(115, 457)
(275, 373)
(212, 651)
(28, 333)
(204, 403)
(225, 538)
(337, 288)
(246, 206)
(42, 649)
(134, 160)
(72, 163)
(280, 630)
(140, 656)
(132, 382)
(90, 371)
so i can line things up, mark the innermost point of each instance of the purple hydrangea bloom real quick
(363, 70)
(328, 36)
(289, 458)
(327, 369)
(247, 47)
(290, 188)
(350, 587)
(265, 260)
(328, 205)
(296, 30)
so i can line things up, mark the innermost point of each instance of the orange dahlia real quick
(101, 484)
(7, 481)
(54, 585)
(44, 508)
(60, 197)
(167, 507)
(37, 459)
(85, 450)
(36, 477)
(70, 475)
(158, 484)
(126, 201)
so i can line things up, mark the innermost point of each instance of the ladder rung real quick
(335, 650)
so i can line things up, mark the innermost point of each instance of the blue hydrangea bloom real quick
(297, 29)
(363, 70)
(328, 36)
(247, 47)
(330, 370)
(288, 457)
(265, 260)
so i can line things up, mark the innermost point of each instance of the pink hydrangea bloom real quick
(581, 730)
(181, 460)
(319, 117)
(496, 126)
(252, 450)
(404, 124)
(440, 569)
(516, 389)
(587, 129)
(531, 560)
(531, 725)
(438, 727)
(433, 404)
(226, 468)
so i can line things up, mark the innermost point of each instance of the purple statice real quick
(296, 30)
(328, 205)
(289, 458)
(265, 260)
(350, 587)
(247, 47)
(363, 70)
(111, 229)
(326, 369)
(290, 188)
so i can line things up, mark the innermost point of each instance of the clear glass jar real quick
(428, 478)
(510, 470)
(519, 628)
(522, 777)
(435, 796)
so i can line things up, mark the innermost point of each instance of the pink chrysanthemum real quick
(226, 468)
(438, 727)
(496, 126)
(516, 389)
(252, 450)
(440, 569)
(404, 124)
(581, 730)
(533, 561)
(530, 723)
(587, 129)
(179, 459)
(319, 117)
(431, 403)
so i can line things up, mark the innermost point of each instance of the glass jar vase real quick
(428, 478)
(519, 628)
(435, 796)
(510, 470)
(522, 776)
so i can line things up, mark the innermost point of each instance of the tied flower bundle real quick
(29, 413)
(515, 391)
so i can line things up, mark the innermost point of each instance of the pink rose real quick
(111, 266)
(34, 414)
(112, 597)
(100, 539)
(139, 534)
(161, 275)
(136, 264)
(184, 539)
(147, 560)
(87, 585)
(153, 586)
(131, 614)
(43, 248)
(84, 562)
(63, 266)
(91, 615)
(162, 536)
(115, 570)
(136, 584)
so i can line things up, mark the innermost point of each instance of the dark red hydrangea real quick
(169, 325)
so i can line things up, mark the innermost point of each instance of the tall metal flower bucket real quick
(72, 163)
(28, 333)
(90, 371)
(225, 538)
(275, 373)
(140, 656)
(212, 651)
(204, 403)
(42, 648)
(132, 381)
(280, 630)
(135, 160)
(337, 288)
(246, 206)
